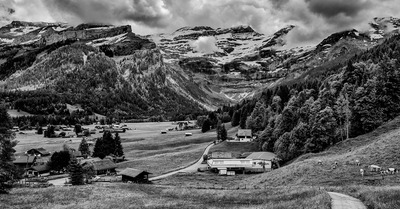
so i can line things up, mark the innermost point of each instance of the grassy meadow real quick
(380, 147)
(144, 146)
(148, 196)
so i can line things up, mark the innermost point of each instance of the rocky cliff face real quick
(95, 60)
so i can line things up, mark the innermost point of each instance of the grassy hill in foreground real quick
(148, 196)
(380, 147)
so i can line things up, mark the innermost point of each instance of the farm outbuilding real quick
(135, 175)
(102, 166)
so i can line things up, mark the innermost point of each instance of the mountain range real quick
(111, 70)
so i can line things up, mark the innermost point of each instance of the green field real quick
(144, 146)
(149, 196)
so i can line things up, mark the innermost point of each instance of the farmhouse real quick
(37, 170)
(256, 162)
(102, 166)
(38, 151)
(244, 135)
(134, 175)
(24, 161)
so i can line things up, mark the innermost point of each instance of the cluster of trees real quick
(8, 172)
(313, 115)
(26, 122)
(108, 145)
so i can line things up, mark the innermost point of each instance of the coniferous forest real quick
(311, 115)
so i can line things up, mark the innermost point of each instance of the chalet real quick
(38, 151)
(104, 166)
(244, 135)
(134, 175)
(24, 161)
(37, 170)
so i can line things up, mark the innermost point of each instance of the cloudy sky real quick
(315, 18)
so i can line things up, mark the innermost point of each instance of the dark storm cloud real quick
(147, 12)
(315, 19)
(331, 8)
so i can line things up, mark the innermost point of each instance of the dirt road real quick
(189, 169)
(342, 201)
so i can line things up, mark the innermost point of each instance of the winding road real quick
(188, 169)
(342, 201)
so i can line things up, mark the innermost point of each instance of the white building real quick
(256, 162)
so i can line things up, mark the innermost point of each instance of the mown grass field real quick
(148, 196)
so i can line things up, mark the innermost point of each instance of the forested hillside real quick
(312, 115)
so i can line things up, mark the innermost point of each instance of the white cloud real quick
(205, 44)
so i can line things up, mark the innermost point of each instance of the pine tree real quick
(98, 150)
(59, 160)
(76, 172)
(235, 118)
(243, 118)
(206, 126)
(8, 172)
(109, 143)
(218, 130)
(84, 148)
(223, 133)
(118, 146)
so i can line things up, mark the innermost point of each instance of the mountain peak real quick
(242, 29)
(194, 28)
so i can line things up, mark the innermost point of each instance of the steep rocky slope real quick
(96, 62)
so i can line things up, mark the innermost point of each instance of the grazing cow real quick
(358, 162)
(392, 170)
(319, 162)
(362, 172)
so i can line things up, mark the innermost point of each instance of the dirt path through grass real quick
(342, 201)
(190, 168)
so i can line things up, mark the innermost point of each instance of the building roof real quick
(40, 150)
(131, 172)
(24, 159)
(261, 156)
(244, 132)
(40, 168)
(89, 160)
(103, 165)
(77, 153)
(43, 159)
(221, 155)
